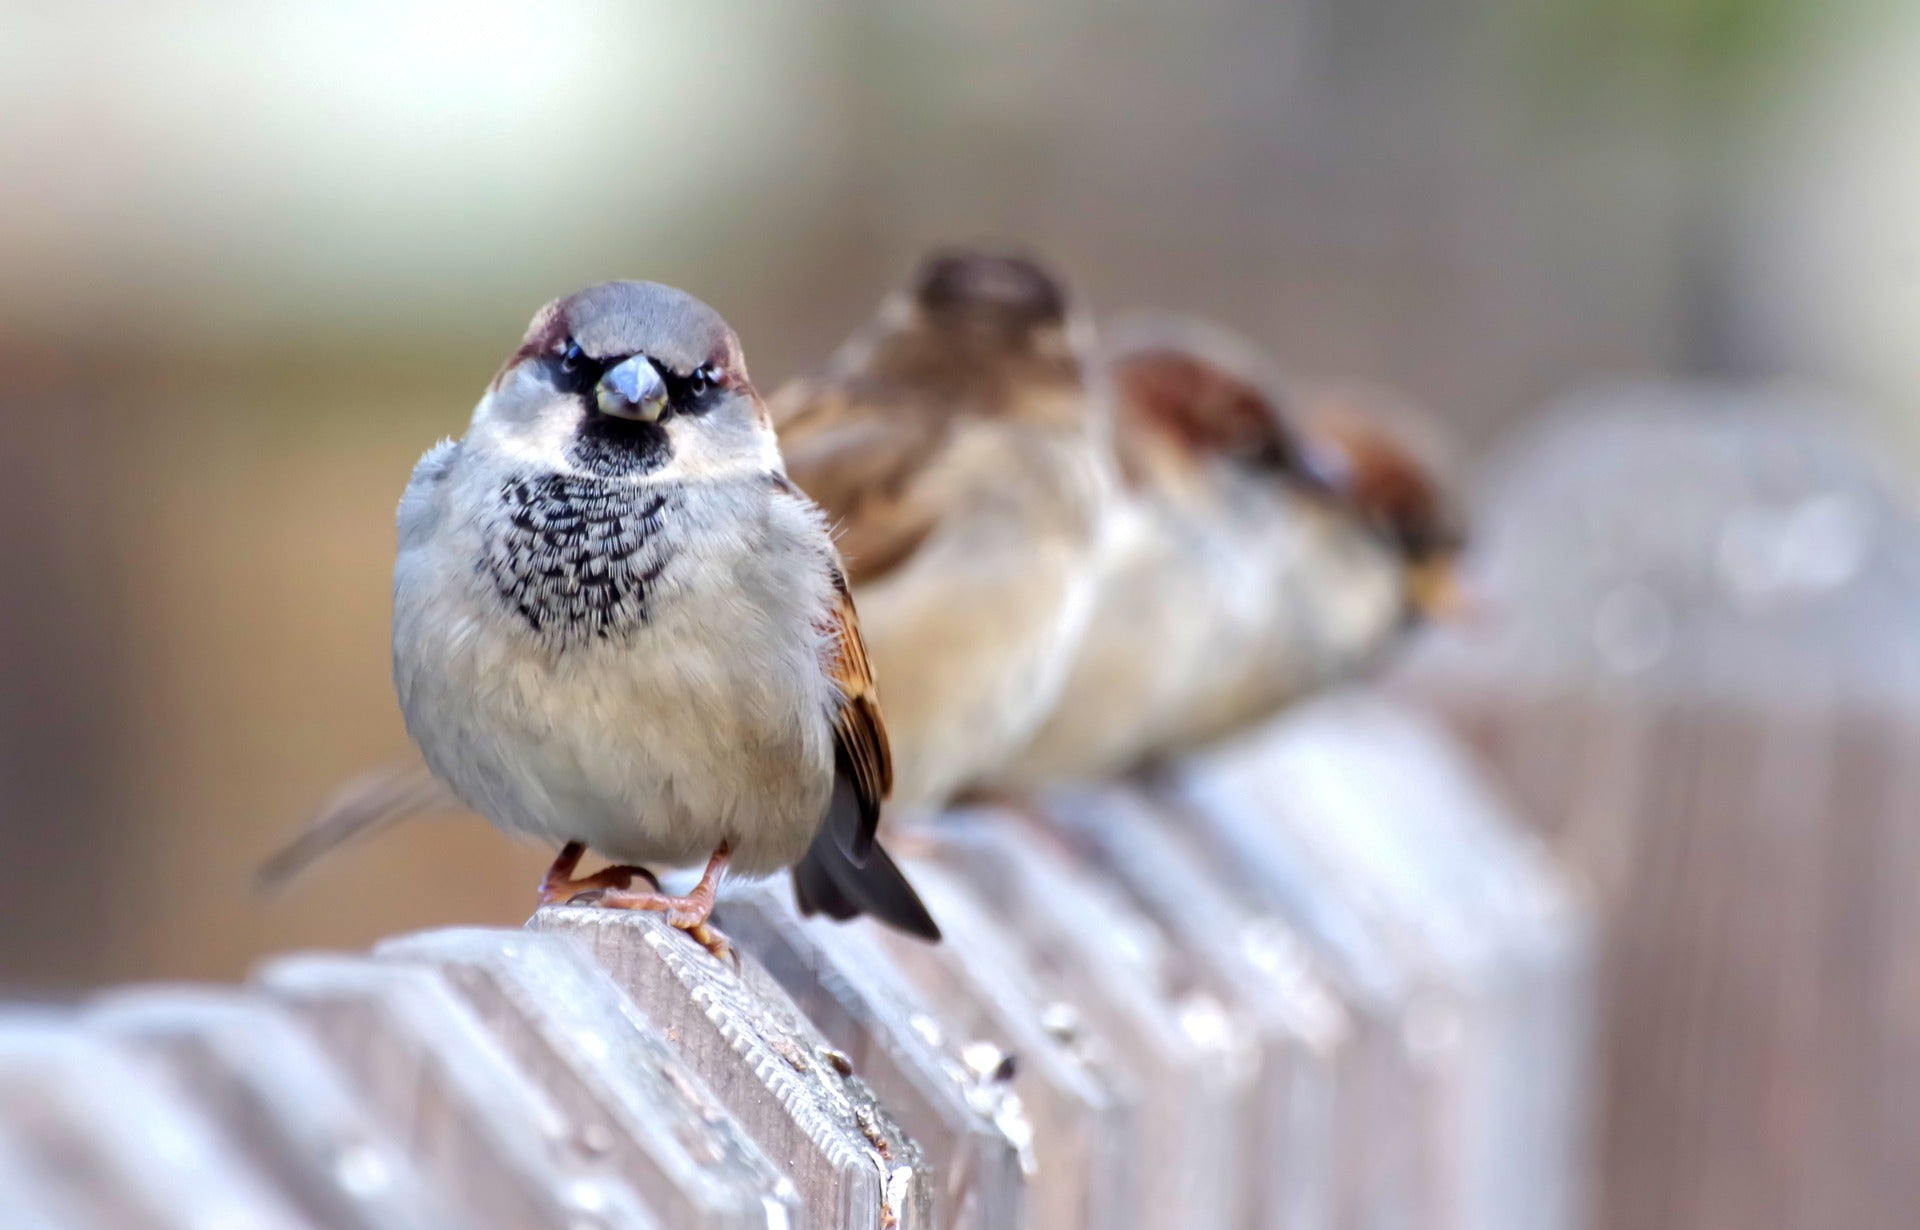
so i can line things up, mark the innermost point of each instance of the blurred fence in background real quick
(1702, 677)
(1321, 981)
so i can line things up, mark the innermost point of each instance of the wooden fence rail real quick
(1320, 980)
(1703, 682)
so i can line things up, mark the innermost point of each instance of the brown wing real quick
(1381, 472)
(1204, 405)
(859, 732)
(845, 873)
(857, 457)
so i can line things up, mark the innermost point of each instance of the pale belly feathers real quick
(680, 703)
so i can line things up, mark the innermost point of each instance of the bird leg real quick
(689, 913)
(560, 885)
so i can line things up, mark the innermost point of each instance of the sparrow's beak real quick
(633, 390)
(1437, 594)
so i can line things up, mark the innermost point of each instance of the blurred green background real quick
(258, 257)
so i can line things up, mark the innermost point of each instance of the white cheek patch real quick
(712, 447)
(537, 438)
(552, 433)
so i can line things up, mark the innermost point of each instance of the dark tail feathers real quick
(828, 881)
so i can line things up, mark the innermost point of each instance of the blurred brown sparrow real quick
(1248, 564)
(618, 625)
(953, 445)
(1351, 560)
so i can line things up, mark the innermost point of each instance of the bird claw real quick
(712, 941)
(562, 887)
(609, 890)
(682, 914)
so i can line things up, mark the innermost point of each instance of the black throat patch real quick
(577, 557)
(616, 448)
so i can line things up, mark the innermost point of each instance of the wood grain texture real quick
(970, 1125)
(1370, 829)
(1312, 1071)
(1277, 1007)
(598, 1057)
(81, 1120)
(1190, 1063)
(477, 1128)
(1082, 1107)
(852, 1163)
(1704, 689)
(280, 1106)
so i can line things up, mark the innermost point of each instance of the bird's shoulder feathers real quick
(859, 732)
(419, 503)
(863, 463)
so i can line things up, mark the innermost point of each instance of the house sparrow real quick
(1350, 560)
(618, 625)
(953, 444)
(1205, 459)
(1249, 563)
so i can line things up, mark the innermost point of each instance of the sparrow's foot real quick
(689, 913)
(714, 943)
(561, 886)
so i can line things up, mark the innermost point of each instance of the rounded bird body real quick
(635, 662)
(1332, 601)
(1239, 576)
(974, 635)
(618, 626)
(1162, 588)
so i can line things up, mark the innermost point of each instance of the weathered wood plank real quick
(597, 1056)
(280, 1106)
(1314, 983)
(1379, 814)
(970, 1125)
(109, 1144)
(1703, 684)
(854, 1166)
(25, 1202)
(1311, 1073)
(1194, 1062)
(1080, 1104)
(479, 1131)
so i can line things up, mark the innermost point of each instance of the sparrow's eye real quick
(577, 370)
(703, 378)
